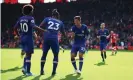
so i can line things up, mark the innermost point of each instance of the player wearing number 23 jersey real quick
(53, 25)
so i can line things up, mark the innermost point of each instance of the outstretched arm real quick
(39, 29)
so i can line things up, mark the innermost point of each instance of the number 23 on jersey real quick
(53, 26)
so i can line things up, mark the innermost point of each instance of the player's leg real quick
(28, 64)
(113, 48)
(116, 49)
(22, 53)
(24, 69)
(46, 48)
(55, 49)
(29, 51)
(104, 50)
(24, 62)
(61, 47)
(81, 53)
(73, 55)
(101, 49)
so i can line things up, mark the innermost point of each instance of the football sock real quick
(55, 64)
(115, 52)
(102, 55)
(74, 63)
(105, 56)
(28, 62)
(24, 64)
(43, 59)
(80, 63)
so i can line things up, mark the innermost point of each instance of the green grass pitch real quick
(119, 67)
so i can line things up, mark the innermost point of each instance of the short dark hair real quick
(55, 13)
(27, 9)
(78, 18)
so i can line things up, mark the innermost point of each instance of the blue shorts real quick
(103, 46)
(27, 46)
(78, 48)
(51, 43)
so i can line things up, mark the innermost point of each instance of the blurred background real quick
(117, 15)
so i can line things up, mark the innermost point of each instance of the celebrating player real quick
(113, 41)
(53, 25)
(79, 34)
(26, 24)
(103, 35)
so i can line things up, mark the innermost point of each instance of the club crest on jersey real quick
(32, 21)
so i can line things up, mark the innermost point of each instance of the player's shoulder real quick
(74, 26)
(99, 30)
(27, 17)
(106, 29)
(57, 20)
(84, 25)
(47, 18)
(53, 19)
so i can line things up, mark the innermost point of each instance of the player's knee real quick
(55, 54)
(28, 55)
(80, 55)
(104, 50)
(55, 58)
(73, 56)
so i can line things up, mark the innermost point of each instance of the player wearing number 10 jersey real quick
(52, 25)
(26, 24)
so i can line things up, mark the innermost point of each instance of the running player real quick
(113, 41)
(103, 35)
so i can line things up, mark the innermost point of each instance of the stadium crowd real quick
(117, 15)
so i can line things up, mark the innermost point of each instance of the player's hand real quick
(16, 37)
(107, 37)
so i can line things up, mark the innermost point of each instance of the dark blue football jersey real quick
(80, 34)
(103, 35)
(25, 24)
(53, 26)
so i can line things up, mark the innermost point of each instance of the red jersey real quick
(113, 38)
